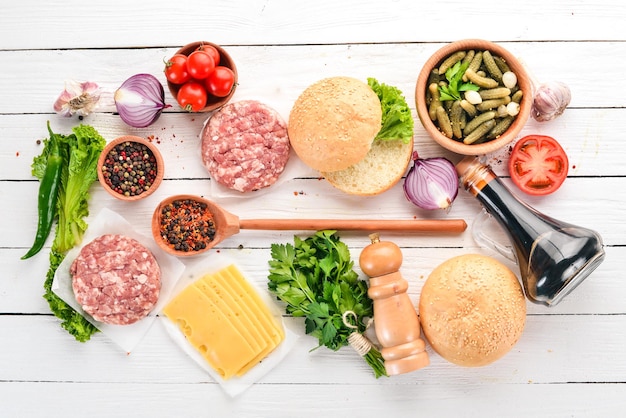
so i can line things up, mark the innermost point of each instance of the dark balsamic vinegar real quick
(553, 256)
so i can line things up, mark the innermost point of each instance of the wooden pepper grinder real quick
(395, 318)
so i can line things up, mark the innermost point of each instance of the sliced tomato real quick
(538, 164)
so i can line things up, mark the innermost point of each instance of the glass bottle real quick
(554, 257)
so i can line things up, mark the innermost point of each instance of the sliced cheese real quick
(227, 321)
(250, 297)
(257, 314)
(225, 302)
(210, 332)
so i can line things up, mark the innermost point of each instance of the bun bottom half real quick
(383, 166)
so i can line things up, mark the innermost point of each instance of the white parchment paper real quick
(110, 222)
(235, 385)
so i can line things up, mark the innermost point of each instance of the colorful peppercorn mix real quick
(130, 168)
(187, 225)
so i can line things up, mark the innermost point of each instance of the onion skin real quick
(431, 183)
(140, 100)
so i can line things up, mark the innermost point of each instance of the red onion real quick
(140, 100)
(431, 183)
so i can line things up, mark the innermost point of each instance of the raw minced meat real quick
(245, 146)
(116, 279)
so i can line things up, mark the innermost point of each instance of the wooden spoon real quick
(228, 224)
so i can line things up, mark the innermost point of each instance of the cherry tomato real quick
(192, 96)
(212, 51)
(538, 164)
(200, 64)
(220, 82)
(176, 69)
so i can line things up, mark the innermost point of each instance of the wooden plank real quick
(587, 135)
(603, 292)
(590, 400)
(116, 23)
(302, 199)
(288, 70)
(553, 349)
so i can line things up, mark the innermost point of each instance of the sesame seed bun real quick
(333, 123)
(472, 310)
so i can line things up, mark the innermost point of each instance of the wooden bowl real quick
(225, 224)
(213, 102)
(105, 166)
(457, 146)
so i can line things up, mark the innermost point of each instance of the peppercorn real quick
(129, 168)
(187, 225)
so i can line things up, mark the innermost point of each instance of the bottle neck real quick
(519, 220)
(474, 175)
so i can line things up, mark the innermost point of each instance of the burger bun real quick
(472, 310)
(333, 123)
(383, 166)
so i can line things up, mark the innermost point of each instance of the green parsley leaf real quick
(315, 279)
(454, 75)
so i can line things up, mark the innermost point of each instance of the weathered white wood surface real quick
(570, 360)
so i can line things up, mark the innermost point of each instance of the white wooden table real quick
(570, 360)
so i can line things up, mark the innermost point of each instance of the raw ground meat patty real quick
(245, 146)
(116, 280)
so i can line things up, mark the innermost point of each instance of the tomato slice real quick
(538, 164)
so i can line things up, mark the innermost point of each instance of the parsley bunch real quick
(455, 86)
(315, 278)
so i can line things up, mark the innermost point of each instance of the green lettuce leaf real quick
(80, 151)
(397, 121)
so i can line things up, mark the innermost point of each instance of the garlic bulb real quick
(550, 100)
(77, 97)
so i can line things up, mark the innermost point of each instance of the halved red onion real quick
(431, 183)
(140, 100)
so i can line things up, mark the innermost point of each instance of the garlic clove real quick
(550, 100)
(77, 97)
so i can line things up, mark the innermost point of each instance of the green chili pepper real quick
(47, 198)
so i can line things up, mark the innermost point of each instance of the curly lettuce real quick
(397, 121)
(80, 151)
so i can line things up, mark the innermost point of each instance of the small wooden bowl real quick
(213, 102)
(102, 163)
(523, 80)
(225, 224)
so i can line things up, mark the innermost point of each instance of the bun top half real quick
(333, 123)
(472, 310)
